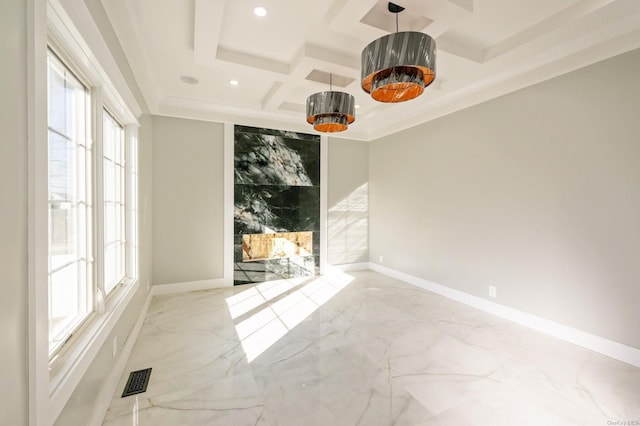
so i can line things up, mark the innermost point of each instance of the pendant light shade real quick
(331, 111)
(398, 66)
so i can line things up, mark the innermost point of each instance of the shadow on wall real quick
(348, 228)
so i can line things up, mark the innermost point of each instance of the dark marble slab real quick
(269, 208)
(277, 189)
(276, 158)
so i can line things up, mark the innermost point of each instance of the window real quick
(69, 148)
(78, 284)
(114, 178)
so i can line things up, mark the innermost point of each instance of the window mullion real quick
(98, 185)
(87, 220)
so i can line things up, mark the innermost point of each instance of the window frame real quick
(100, 297)
(101, 301)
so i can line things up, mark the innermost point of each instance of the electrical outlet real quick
(114, 348)
(381, 259)
(492, 291)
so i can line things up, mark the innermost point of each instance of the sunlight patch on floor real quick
(268, 325)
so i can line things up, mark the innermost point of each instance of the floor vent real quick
(137, 383)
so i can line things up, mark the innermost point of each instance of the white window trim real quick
(132, 224)
(71, 25)
(98, 206)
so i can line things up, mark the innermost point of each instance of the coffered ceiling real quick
(485, 48)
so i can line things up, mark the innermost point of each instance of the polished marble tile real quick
(360, 348)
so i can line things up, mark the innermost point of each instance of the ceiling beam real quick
(206, 30)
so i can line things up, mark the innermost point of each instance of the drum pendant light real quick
(398, 66)
(330, 111)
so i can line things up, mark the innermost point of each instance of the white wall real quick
(13, 215)
(536, 193)
(348, 202)
(188, 192)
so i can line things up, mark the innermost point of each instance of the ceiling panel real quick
(493, 21)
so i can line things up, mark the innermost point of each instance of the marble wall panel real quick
(277, 190)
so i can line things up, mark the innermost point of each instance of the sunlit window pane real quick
(69, 215)
(68, 298)
(114, 201)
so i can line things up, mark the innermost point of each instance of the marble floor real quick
(360, 348)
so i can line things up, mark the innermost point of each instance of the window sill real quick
(74, 363)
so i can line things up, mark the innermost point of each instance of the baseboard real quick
(190, 286)
(607, 347)
(106, 393)
(362, 266)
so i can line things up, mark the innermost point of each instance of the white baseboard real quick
(190, 286)
(607, 347)
(106, 393)
(362, 266)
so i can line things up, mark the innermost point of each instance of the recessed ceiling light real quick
(233, 82)
(357, 106)
(260, 11)
(188, 79)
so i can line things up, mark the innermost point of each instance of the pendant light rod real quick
(396, 9)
